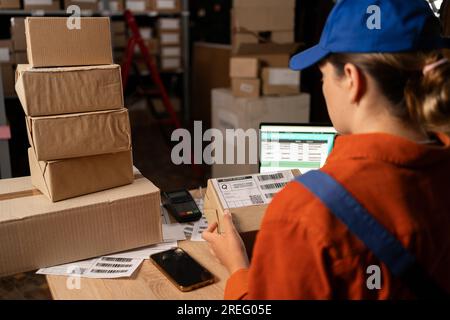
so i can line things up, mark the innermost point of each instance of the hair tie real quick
(433, 66)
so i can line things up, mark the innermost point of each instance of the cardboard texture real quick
(269, 54)
(90, 45)
(36, 233)
(138, 5)
(229, 112)
(9, 4)
(246, 88)
(246, 219)
(280, 81)
(18, 34)
(48, 5)
(6, 51)
(261, 18)
(56, 91)
(244, 67)
(20, 57)
(65, 179)
(79, 135)
(8, 79)
(83, 4)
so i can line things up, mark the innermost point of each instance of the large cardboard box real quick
(280, 81)
(49, 5)
(79, 134)
(263, 18)
(83, 4)
(18, 34)
(269, 54)
(69, 178)
(247, 198)
(241, 67)
(9, 4)
(36, 233)
(8, 79)
(6, 51)
(229, 112)
(51, 44)
(56, 91)
(246, 88)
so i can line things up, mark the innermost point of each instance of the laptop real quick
(294, 146)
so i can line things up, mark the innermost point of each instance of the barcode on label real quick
(274, 176)
(270, 195)
(111, 259)
(256, 199)
(113, 265)
(107, 271)
(277, 185)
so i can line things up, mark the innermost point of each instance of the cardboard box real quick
(280, 81)
(166, 6)
(146, 33)
(6, 51)
(114, 5)
(244, 67)
(171, 64)
(79, 135)
(56, 91)
(270, 54)
(48, 5)
(91, 5)
(247, 206)
(35, 233)
(90, 45)
(229, 112)
(69, 178)
(169, 24)
(119, 40)
(282, 37)
(9, 4)
(170, 38)
(18, 34)
(118, 26)
(138, 5)
(246, 88)
(8, 79)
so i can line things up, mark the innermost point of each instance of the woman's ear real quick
(355, 82)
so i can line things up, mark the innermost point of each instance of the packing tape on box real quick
(36, 192)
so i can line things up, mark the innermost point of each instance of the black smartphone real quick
(181, 206)
(182, 270)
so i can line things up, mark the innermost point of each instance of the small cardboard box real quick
(18, 34)
(79, 134)
(57, 91)
(171, 51)
(166, 6)
(138, 5)
(169, 24)
(171, 63)
(9, 4)
(36, 233)
(246, 88)
(241, 67)
(280, 81)
(170, 38)
(69, 178)
(247, 198)
(6, 51)
(49, 5)
(91, 5)
(114, 5)
(50, 43)
(8, 79)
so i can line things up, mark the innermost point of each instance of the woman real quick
(387, 89)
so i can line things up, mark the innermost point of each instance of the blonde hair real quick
(419, 98)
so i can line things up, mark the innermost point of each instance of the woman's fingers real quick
(228, 222)
(209, 234)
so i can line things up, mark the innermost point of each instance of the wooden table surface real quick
(147, 282)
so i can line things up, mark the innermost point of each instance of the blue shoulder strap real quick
(380, 241)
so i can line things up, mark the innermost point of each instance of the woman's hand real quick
(228, 246)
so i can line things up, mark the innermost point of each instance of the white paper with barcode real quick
(250, 190)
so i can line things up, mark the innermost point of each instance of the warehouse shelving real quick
(5, 165)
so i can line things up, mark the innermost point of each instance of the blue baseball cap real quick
(375, 26)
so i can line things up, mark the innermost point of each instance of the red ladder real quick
(136, 40)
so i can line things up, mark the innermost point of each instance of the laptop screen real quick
(303, 147)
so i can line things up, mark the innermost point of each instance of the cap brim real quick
(308, 58)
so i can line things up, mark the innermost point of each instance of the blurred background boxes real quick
(49, 5)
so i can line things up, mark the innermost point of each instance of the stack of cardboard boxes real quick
(169, 30)
(46, 5)
(163, 6)
(244, 74)
(71, 92)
